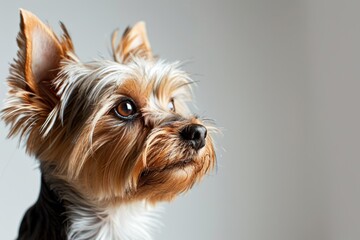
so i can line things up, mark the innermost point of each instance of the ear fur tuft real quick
(134, 42)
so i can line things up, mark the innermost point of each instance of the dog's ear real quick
(134, 42)
(40, 54)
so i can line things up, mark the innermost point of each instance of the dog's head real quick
(115, 129)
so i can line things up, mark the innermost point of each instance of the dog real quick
(113, 137)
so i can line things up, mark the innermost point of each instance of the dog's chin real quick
(166, 182)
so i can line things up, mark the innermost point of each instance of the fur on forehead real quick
(98, 86)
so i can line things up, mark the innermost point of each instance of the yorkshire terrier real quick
(113, 137)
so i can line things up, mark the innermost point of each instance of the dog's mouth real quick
(181, 164)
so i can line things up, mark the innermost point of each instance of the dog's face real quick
(115, 130)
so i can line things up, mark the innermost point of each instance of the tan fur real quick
(68, 123)
(133, 43)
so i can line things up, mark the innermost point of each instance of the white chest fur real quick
(134, 221)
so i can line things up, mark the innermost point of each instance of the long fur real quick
(103, 171)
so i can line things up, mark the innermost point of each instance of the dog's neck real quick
(61, 214)
(46, 218)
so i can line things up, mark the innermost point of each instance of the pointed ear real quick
(41, 51)
(134, 42)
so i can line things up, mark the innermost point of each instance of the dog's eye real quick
(126, 109)
(171, 105)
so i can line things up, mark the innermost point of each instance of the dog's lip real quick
(175, 165)
(180, 164)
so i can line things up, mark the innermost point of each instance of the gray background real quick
(280, 77)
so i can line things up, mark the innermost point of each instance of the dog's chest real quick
(127, 222)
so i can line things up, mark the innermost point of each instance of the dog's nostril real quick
(195, 134)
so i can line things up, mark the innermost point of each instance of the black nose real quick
(195, 134)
